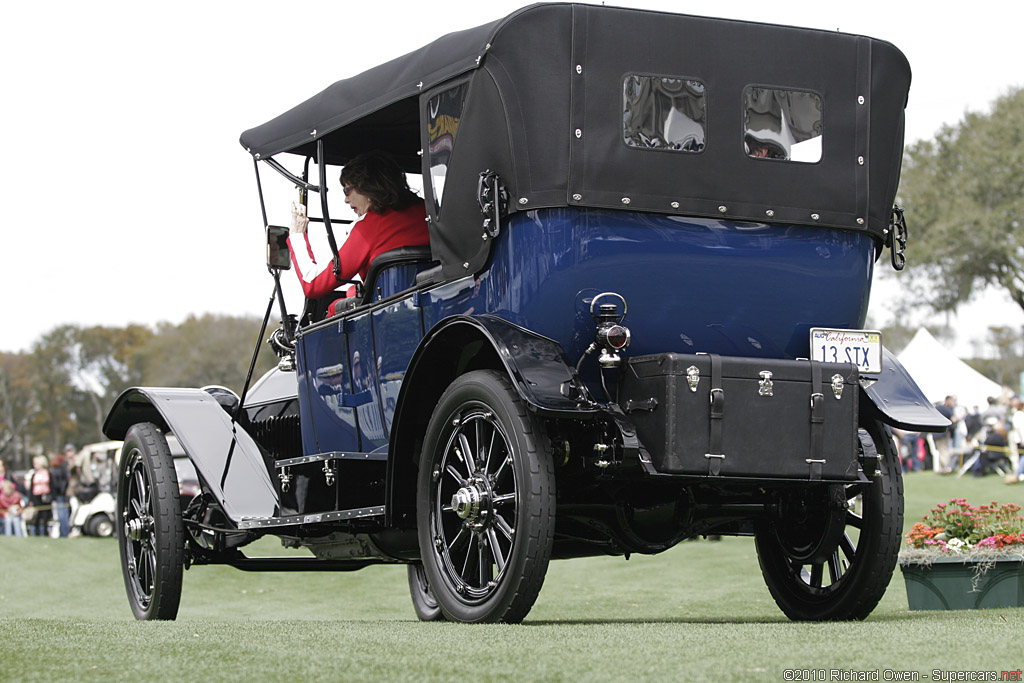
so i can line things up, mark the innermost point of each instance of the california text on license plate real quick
(863, 348)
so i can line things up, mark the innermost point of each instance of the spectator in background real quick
(960, 433)
(38, 484)
(973, 423)
(994, 450)
(944, 441)
(6, 475)
(11, 505)
(995, 409)
(59, 489)
(914, 450)
(102, 471)
(1016, 439)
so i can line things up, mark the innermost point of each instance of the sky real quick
(126, 197)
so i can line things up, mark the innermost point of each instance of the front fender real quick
(226, 457)
(898, 401)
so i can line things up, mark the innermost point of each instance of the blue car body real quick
(692, 285)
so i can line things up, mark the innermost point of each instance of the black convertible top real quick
(543, 107)
(379, 100)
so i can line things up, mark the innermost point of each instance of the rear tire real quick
(485, 501)
(845, 578)
(423, 600)
(149, 528)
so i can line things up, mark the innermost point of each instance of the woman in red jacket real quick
(390, 216)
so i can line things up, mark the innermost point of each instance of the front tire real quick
(149, 528)
(844, 577)
(485, 501)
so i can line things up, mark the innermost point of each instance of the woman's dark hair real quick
(377, 175)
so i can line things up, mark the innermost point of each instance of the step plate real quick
(334, 455)
(311, 518)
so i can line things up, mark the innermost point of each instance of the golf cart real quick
(639, 320)
(93, 504)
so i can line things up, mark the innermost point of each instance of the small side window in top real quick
(782, 124)
(444, 111)
(663, 112)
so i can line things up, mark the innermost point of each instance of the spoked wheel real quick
(485, 501)
(423, 600)
(828, 554)
(149, 525)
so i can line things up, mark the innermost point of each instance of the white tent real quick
(939, 373)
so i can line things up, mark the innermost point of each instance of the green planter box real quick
(949, 583)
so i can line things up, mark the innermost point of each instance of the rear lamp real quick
(615, 337)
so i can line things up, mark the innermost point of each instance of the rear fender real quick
(225, 456)
(537, 366)
(894, 398)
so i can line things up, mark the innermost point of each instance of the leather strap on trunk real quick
(714, 454)
(817, 423)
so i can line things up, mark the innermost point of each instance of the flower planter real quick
(963, 583)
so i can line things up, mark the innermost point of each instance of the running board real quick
(295, 564)
(311, 518)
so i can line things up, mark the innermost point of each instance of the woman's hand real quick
(299, 220)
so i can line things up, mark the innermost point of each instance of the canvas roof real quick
(544, 109)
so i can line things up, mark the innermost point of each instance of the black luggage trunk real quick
(716, 416)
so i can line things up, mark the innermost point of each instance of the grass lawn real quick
(698, 612)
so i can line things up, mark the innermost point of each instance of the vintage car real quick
(639, 320)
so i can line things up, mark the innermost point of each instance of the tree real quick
(212, 349)
(964, 196)
(18, 406)
(1006, 341)
(62, 390)
(1008, 363)
(54, 423)
(104, 364)
(77, 374)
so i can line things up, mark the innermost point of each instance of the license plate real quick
(863, 348)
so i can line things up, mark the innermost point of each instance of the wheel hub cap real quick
(467, 501)
(137, 529)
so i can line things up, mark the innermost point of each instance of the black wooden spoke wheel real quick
(149, 528)
(485, 501)
(829, 553)
(423, 600)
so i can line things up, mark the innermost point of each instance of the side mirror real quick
(278, 257)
